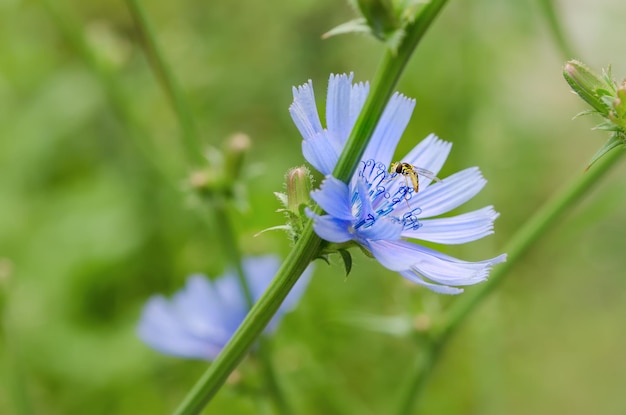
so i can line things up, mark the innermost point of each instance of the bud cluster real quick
(606, 98)
(298, 183)
(225, 169)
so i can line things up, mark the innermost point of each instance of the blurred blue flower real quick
(379, 210)
(200, 318)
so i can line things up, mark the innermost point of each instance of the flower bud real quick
(618, 114)
(235, 150)
(380, 16)
(298, 182)
(588, 85)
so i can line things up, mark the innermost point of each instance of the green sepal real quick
(385, 20)
(616, 140)
(583, 113)
(324, 258)
(347, 260)
(353, 26)
(282, 198)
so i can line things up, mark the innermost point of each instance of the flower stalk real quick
(168, 82)
(309, 245)
(536, 227)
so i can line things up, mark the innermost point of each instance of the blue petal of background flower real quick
(200, 318)
(379, 210)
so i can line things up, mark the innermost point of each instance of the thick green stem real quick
(229, 244)
(168, 82)
(309, 245)
(383, 85)
(254, 323)
(537, 226)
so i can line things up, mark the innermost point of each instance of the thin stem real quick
(309, 245)
(73, 33)
(168, 82)
(427, 358)
(226, 235)
(271, 380)
(538, 225)
(556, 28)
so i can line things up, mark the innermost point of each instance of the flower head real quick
(200, 318)
(380, 210)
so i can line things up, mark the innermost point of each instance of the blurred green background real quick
(89, 229)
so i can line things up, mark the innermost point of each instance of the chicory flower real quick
(200, 318)
(381, 210)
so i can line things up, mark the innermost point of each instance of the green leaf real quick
(616, 140)
(353, 26)
(347, 260)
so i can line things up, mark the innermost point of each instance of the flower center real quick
(388, 194)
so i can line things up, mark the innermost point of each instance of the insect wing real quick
(426, 173)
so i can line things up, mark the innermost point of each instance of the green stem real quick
(522, 241)
(168, 82)
(229, 244)
(254, 323)
(309, 245)
(73, 33)
(556, 29)
(384, 83)
(427, 357)
(271, 380)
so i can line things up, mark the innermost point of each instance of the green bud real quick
(618, 114)
(386, 20)
(380, 16)
(588, 85)
(298, 182)
(225, 169)
(235, 150)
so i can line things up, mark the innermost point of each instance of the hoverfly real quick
(409, 171)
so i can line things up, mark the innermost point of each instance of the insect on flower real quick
(368, 209)
(412, 172)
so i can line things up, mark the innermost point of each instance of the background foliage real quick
(89, 228)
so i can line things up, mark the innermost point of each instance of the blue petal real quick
(440, 289)
(199, 307)
(259, 272)
(430, 154)
(397, 255)
(390, 127)
(304, 112)
(365, 203)
(338, 107)
(330, 228)
(201, 318)
(384, 228)
(450, 193)
(334, 197)
(357, 99)
(447, 270)
(322, 152)
(404, 256)
(457, 229)
(160, 328)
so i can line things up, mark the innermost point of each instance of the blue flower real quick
(200, 319)
(380, 210)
